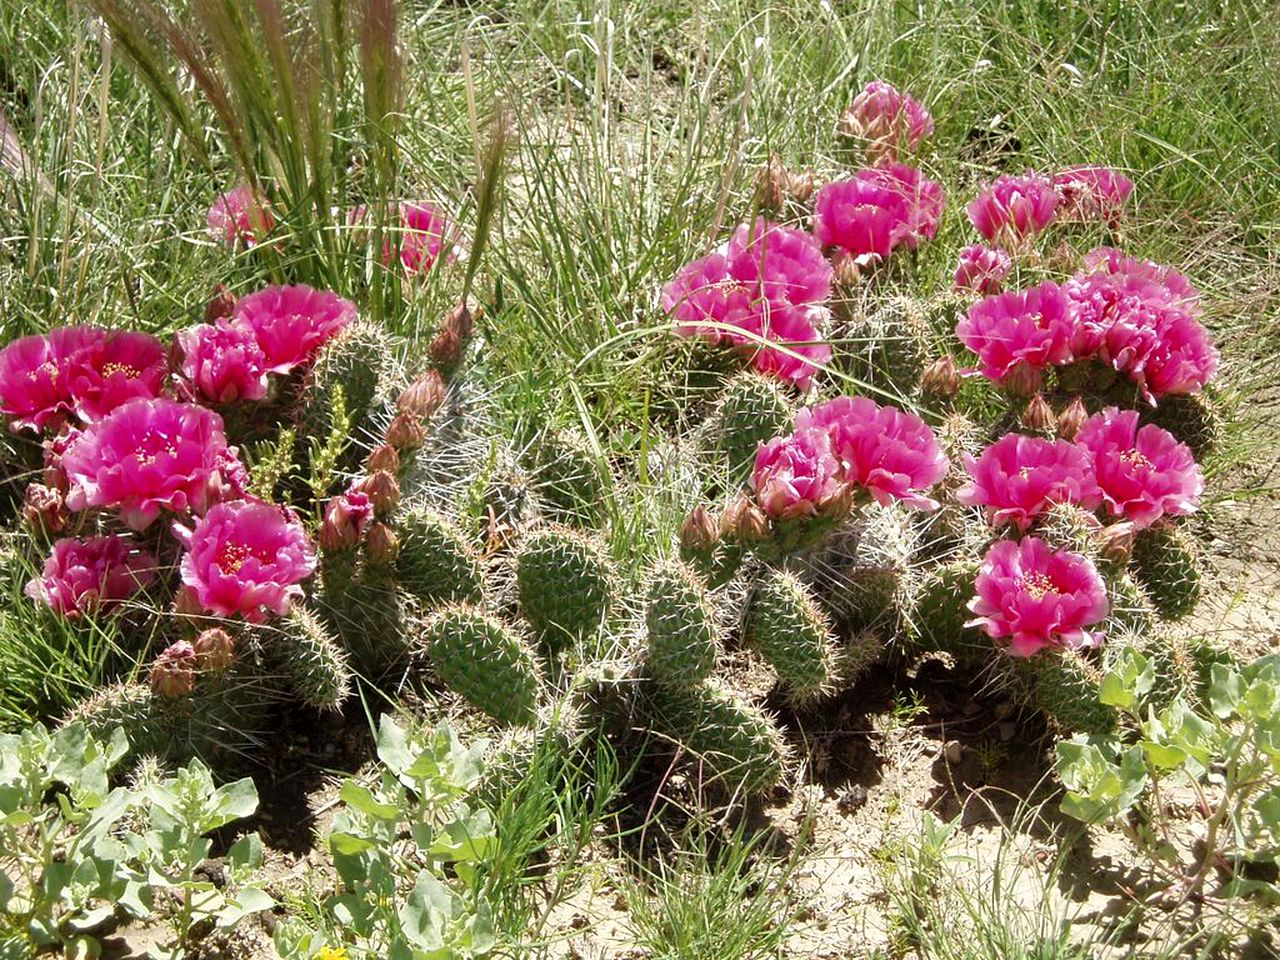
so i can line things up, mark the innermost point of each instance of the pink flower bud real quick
(445, 348)
(698, 532)
(941, 378)
(345, 519)
(1038, 415)
(221, 305)
(743, 520)
(173, 674)
(215, 650)
(382, 544)
(44, 509)
(405, 432)
(1023, 380)
(423, 397)
(1072, 419)
(1115, 542)
(384, 457)
(383, 492)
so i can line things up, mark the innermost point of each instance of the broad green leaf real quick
(392, 744)
(1224, 690)
(348, 844)
(362, 799)
(426, 912)
(233, 801)
(246, 853)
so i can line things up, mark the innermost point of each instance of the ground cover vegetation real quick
(647, 481)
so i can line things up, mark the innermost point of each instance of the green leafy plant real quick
(1225, 750)
(407, 850)
(74, 852)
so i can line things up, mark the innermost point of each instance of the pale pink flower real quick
(926, 200)
(91, 575)
(146, 456)
(1014, 209)
(223, 363)
(705, 300)
(1092, 193)
(1037, 597)
(240, 216)
(1144, 472)
(797, 475)
(292, 323)
(888, 119)
(37, 375)
(1018, 478)
(982, 269)
(892, 454)
(782, 263)
(246, 557)
(1029, 329)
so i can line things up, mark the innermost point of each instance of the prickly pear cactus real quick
(940, 612)
(680, 625)
(566, 586)
(1193, 419)
(1063, 685)
(1167, 565)
(360, 364)
(752, 410)
(890, 348)
(307, 656)
(794, 635)
(568, 478)
(485, 661)
(435, 563)
(365, 606)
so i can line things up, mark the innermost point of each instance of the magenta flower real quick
(878, 210)
(926, 200)
(1030, 329)
(705, 301)
(792, 347)
(240, 216)
(797, 475)
(892, 454)
(887, 119)
(94, 574)
(223, 363)
(1092, 193)
(36, 375)
(1012, 210)
(144, 457)
(781, 263)
(982, 269)
(292, 323)
(424, 234)
(122, 366)
(1144, 472)
(1037, 597)
(246, 557)
(1018, 478)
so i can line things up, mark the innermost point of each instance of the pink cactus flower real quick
(36, 376)
(230, 479)
(223, 364)
(1014, 209)
(982, 269)
(1144, 472)
(292, 323)
(424, 234)
(146, 456)
(1018, 478)
(121, 366)
(1025, 329)
(246, 557)
(705, 301)
(240, 216)
(792, 347)
(91, 575)
(892, 454)
(1177, 289)
(797, 475)
(1092, 193)
(887, 119)
(926, 200)
(1037, 597)
(782, 263)
(1184, 359)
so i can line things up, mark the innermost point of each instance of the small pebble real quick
(953, 751)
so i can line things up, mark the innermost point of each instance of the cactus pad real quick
(793, 634)
(485, 661)
(435, 564)
(565, 584)
(681, 627)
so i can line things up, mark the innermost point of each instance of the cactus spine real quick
(435, 563)
(482, 659)
(310, 659)
(1166, 563)
(751, 410)
(681, 627)
(566, 586)
(793, 634)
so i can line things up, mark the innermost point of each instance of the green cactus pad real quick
(728, 743)
(566, 586)
(132, 708)
(310, 659)
(940, 612)
(366, 608)
(1063, 685)
(683, 639)
(485, 661)
(1065, 526)
(1192, 419)
(1167, 565)
(890, 349)
(435, 563)
(568, 478)
(359, 361)
(793, 634)
(855, 659)
(751, 411)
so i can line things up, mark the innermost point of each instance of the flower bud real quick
(1023, 381)
(1038, 415)
(383, 492)
(423, 397)
(44, 509)
(744, 520)
(446, 347)
(173, 674)
(345, 519)
(941, 378)
(215, 650)
(1072, 419)
(384, 457)
(54, 448)
(382, 545)
(698, 532)
(186, 603)
(406, 432)
(850, 270)
(773, 184)
(1115, 542)
(461, 321)
(221, 305)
